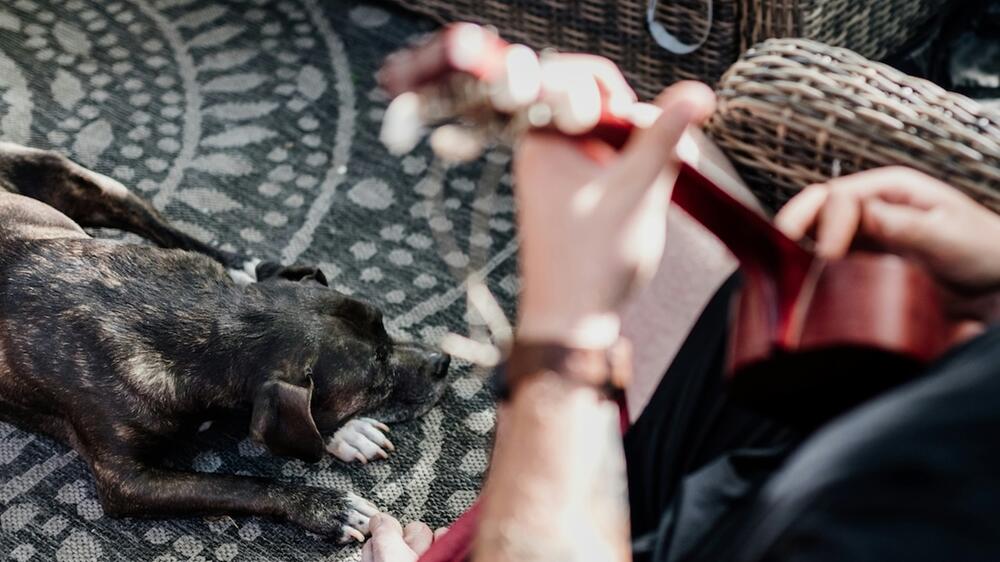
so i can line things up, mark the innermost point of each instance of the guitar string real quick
(487, 327)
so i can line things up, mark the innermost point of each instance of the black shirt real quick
(911, 475)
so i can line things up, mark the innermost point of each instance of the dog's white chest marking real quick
(247, 275)
(360, 439)
(204, 426)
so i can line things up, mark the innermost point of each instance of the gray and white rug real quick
(253, 125)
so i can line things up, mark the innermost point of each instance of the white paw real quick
(247, 275)
(358, 513)
(360, 439)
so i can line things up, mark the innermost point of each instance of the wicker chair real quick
(619, 29)
(795, 112)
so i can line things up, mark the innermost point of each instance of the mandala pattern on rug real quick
(253, 126)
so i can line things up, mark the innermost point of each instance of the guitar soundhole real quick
(809, 388)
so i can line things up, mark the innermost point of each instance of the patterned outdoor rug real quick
(253, 124)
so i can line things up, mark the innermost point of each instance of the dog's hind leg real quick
(128, 489)
(31, 420)
(93, 199)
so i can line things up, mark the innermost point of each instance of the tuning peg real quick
(457, 144)
(517, 82)
(402, 124)
(574, 97)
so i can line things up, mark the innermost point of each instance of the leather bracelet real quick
(606, 369)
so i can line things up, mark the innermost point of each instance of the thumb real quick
(898, 228)
(652, 150)
(381, 524)
(418, 536)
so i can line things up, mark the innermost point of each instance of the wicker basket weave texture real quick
(872, 29)
(796, 112)
(618, 30)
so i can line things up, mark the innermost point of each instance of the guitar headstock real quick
(467, 83)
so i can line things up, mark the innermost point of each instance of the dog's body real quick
(114, 349)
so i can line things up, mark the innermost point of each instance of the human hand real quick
(907, 213)
(592, 221)
(390, 542)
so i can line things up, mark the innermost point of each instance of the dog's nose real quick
(439, 364)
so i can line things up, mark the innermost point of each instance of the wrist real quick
(545, 368)
(582, 330)
(548, 391)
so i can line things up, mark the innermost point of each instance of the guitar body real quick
(863, 325)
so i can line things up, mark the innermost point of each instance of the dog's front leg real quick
(137, 491)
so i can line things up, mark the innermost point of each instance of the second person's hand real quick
(907, 213)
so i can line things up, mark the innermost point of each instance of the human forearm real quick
(592, 223)
(556, 489)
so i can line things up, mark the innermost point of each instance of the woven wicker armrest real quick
(796, 112)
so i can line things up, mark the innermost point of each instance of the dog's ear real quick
(283, 421)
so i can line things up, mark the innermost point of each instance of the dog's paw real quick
(360, 439)
(355, 517)
(342, 516)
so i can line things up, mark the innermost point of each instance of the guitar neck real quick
(709, 190)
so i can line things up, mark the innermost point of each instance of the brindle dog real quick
(115, 349)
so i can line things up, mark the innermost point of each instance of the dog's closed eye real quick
(365, 320)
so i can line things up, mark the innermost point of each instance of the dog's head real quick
(348, 367)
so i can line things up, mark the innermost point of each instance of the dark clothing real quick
(912, 475)
(695, 459)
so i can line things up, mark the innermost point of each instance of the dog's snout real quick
(439, 363)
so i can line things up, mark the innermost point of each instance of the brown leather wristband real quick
(607, 369)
